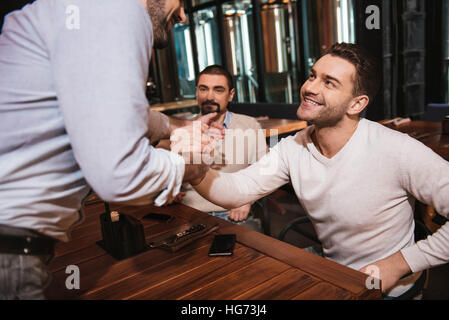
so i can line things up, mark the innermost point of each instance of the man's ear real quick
(231, 94)
(358, 104)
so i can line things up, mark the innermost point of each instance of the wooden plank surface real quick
(324, 291)
(281, 126)
(231, 286)
(261, 267)
(195, 278)
(327, 270)
(284, 286)
(173, 105)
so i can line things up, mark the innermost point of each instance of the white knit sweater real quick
(360, 201)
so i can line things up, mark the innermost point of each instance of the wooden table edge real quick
(293, 255)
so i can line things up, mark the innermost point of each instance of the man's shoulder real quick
(71, 15)
(382, 132)
(72, 6)
(243, 121)
(383, 139)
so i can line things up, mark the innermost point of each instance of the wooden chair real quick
(436, 112)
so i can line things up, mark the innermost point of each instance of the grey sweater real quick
(74, 115)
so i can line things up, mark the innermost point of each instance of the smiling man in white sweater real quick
(356, 179)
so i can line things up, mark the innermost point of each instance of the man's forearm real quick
(390, 270)
(208, 186)
(195, 172)
(160, 126)
(232, 190)
(175, 123)
(215, 187)
(431, 252)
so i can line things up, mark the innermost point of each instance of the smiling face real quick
(328, 92)
(164, 15)
(213, 94)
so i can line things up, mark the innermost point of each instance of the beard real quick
(205, 110)
(328, 117)
(156, 9)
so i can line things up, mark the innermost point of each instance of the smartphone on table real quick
(159, 216)
(222, 245)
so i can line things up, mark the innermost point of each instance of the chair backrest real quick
(436, 112)
(271, 110)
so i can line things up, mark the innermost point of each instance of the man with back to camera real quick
(214, 91)
(356, 179)
(74, 116)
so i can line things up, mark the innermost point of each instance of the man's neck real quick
(221, 118)
(330, 140)
(218, 119)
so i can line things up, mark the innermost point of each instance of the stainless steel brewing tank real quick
(232, 46)
(274, 38)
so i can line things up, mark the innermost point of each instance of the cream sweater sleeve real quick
(426, 176)
(232, 190)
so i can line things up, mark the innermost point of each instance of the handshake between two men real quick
(196, 143)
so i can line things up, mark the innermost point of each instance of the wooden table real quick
(429, 133)
(175, 106)
(262, 267)
(281, 125)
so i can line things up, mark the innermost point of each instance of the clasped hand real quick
(195, 141)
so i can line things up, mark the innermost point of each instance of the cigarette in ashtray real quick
(115, 216)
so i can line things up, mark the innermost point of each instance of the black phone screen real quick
(222, 245)
(159, 216)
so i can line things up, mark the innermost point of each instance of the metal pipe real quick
(260, 57)
(446, 29)
(446, 48)
(192, 36)
(232, 46)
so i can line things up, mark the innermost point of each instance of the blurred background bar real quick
(269, 47)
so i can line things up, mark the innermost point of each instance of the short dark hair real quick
(220, 70)
(368, 76)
